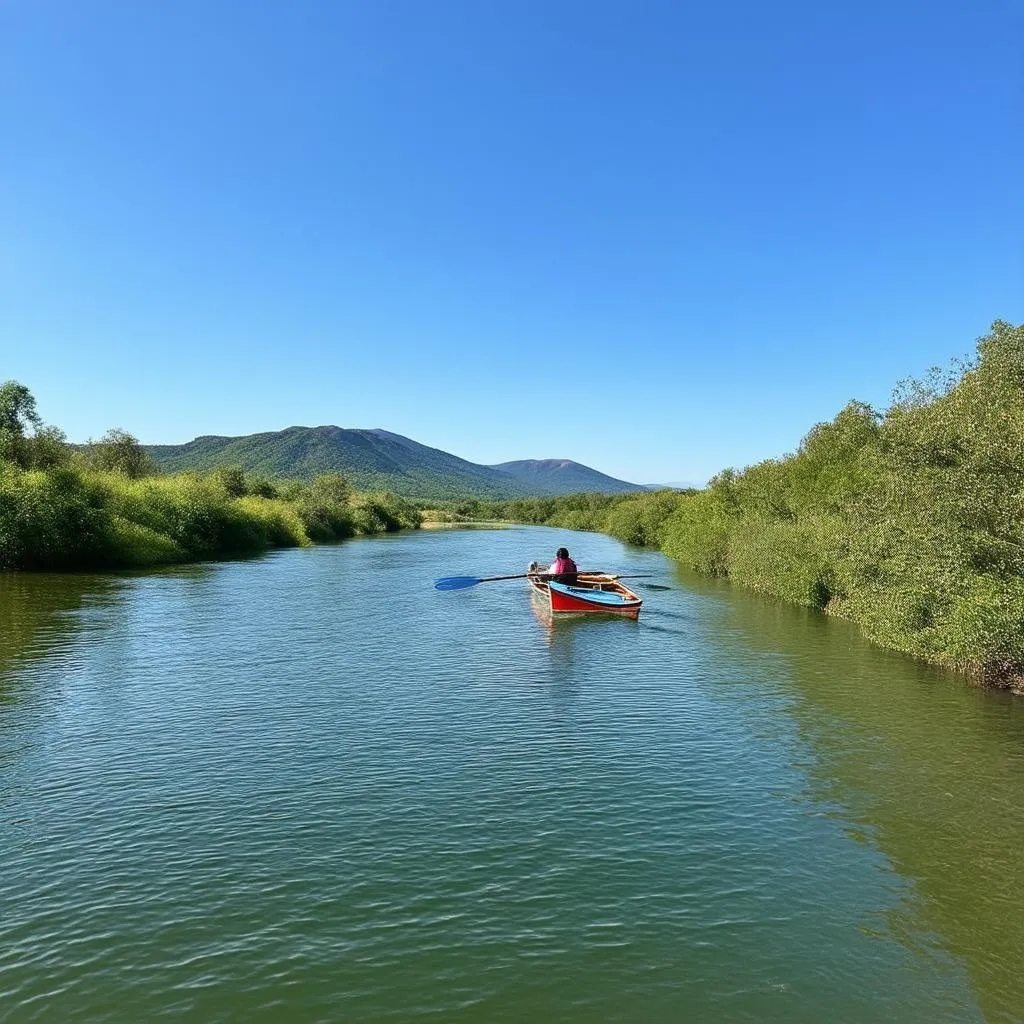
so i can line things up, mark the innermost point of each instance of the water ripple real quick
(307, 787)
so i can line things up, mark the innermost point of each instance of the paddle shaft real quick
(464, 582)
(551, 575)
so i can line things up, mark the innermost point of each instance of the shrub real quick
(48, 448)
(193, 512)
(263, 487)
(117, 451)
(278, 522)
(324, 521)
(50, 520)
(384, 512)
(576, 519)
(697, 534)
(641, 519)
(232, 480)
(785, 558)
(132, 544)
(330, 488)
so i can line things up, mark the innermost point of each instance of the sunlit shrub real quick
(117, 451)
(790, 559)
(263, 487)
(324, 521)
(576, 519)
(50, 520)
(383, 512)
(278, 522)
(195, 513)
(231, 479)
(640, 519)
(132, 544)
(697, 534)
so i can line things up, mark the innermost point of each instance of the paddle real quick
(463, 582)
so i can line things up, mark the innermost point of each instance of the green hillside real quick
(563, 476)
(370, 459)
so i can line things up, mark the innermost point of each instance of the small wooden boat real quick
(592, 592)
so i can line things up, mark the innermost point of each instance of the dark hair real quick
(562, 553)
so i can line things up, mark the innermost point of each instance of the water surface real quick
(311, 787)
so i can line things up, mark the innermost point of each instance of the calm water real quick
(310, 787)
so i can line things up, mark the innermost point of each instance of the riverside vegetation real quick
(909, 522)
(102, 505)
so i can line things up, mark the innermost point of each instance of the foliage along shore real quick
(909, 522)
(103, 506)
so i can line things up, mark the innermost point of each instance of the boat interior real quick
(584, 580)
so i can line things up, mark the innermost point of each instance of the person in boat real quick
(563, 569)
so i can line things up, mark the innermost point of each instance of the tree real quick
(331, 488)
(17, 408)
(48, 448)
(262, 487)
(120, 452)
(232, 479)
(323, 507)
(17, 414)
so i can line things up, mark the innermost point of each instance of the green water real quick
(310, 787)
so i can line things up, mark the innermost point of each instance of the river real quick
(311, 787)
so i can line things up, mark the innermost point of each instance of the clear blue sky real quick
(704, 226)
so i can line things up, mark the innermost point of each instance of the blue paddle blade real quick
(456, 582)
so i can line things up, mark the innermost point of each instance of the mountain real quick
(562, 476)
(372, 460)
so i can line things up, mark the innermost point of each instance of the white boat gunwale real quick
(577, 595)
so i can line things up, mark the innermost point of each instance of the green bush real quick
(117, 451)
(698, 533)
(132, 544)
(384, 512)
(50, 520)
(791, 559)
(323, 517)
(195, 513)
(641, 519)
(262, 487)
(231, 479)
(279, 523)
(576, 519)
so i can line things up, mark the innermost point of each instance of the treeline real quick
(909, 522)
(103, 505)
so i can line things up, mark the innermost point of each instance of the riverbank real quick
(72, 518)
(908, 522)
(103, 505)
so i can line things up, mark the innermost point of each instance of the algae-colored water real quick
(311, 787)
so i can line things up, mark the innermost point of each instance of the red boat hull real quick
(559, 601)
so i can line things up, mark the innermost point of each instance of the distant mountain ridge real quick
(381, 460)
(563, 476)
